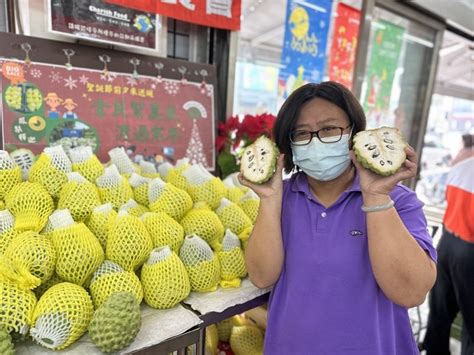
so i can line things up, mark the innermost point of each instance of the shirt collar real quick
(300, 183)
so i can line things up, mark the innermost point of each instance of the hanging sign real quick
(46, 105)
(386, 46)
(344, 45)
(213, 13)
(303, 58)
(99, 21)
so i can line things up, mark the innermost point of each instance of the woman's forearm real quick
(403, 270)
(264, 252)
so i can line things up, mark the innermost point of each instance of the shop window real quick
(178, 39)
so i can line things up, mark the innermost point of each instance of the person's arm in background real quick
(264, 252)
(403, 270)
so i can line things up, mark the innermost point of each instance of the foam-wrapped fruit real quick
(31, 205)
(129, 242)
(61, 316)
(165, 279)
(111, 277)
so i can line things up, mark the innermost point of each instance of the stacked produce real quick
(78, 236)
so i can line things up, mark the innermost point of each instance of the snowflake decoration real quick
(36, 73)
(55, 77)
(131, 81)
(210, 90)
(171, 87)
(83, 79)
(70, 83)
(153, 86)
(110, 77)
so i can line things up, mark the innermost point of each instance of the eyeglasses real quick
(325, 135)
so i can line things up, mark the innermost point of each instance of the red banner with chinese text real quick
(213, 13)
(344, 45)
(46, 105)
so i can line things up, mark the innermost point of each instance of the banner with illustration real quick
(47, 104)
(384, 56)
(98, 21)
(344, 45)
(303, 58)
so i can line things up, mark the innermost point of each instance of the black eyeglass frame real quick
(316, 133)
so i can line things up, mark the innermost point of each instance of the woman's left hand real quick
(373, 184)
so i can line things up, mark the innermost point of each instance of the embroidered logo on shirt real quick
(356, 233)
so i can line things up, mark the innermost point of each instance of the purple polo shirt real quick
(326, 300)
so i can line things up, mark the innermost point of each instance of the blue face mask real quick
(322, 161)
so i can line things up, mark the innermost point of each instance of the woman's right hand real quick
(273, 188)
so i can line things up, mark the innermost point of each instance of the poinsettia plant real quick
(234, 135)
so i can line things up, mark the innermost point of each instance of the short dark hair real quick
(468, 140)
(330, 91)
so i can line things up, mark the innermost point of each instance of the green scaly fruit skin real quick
(272, 169)
(116, 323)
(6, 345)
(366, 164)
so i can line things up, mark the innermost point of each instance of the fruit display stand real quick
(165, 331)
(160, 328)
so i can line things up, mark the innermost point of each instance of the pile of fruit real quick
(82, 243)
(34, 99)
(234, 336)
(13, 97)
(23, 98)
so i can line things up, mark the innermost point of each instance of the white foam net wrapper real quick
(232, 181)
(75, 176)
(159, 254)
(61, 219)
(136, 180)
(6, 162)
(7, 221)
(121, 160)
(230, 241)
(51, 329)
(147, 167)
(195, 250)
(59, 158)
(105, 208)
(80, 154)
(196, 176)
(129, 204)
(164, 169)
(107, 267)
(181, 162)
(224, 203)
(155, 188)
(110, 178)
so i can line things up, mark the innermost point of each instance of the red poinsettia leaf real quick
(233, 123)
(220, 142)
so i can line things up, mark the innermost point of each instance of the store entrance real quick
(451, 116)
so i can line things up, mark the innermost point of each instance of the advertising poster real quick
(386, 46)
(44, 105)
(344, 45)
(98, 21)
(213, 13)
(303, 58)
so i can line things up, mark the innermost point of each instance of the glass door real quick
(396, 67)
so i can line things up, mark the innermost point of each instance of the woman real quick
(343, 278)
